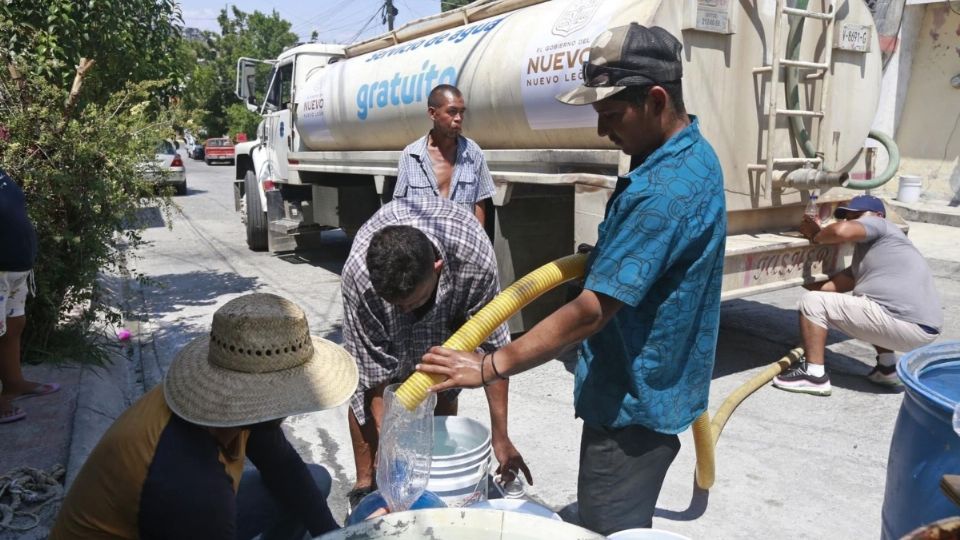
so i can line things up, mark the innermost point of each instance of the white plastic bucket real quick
(909, 191)
(461, 460)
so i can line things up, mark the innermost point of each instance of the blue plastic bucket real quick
(374, 501)
(924, 445)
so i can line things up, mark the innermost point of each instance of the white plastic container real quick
(910, 186)
(461, 460)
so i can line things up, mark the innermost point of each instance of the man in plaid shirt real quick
(444, 163)
(418, 269)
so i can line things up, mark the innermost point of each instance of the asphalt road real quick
(788, 464)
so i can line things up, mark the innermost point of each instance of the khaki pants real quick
(863, 319)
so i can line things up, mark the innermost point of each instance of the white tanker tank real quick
(353, 109)
(511, 65)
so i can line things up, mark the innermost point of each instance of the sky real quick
(340, 21)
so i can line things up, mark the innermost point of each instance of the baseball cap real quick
(860, 203)
(631, 55)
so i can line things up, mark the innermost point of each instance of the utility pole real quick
(389, 11)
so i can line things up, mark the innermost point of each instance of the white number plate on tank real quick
(854, 37)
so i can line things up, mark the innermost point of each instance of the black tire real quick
(207, 161)
(256, 217)
(181, 188)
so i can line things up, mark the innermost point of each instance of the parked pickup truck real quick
(218, 150)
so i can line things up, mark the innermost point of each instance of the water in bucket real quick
(461, 460)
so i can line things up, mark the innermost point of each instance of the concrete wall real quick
(922, 104)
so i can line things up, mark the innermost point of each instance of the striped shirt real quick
(471, 181)
(388, 343)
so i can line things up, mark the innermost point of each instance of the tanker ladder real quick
(812, 159)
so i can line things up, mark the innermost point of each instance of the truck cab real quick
(262, 165)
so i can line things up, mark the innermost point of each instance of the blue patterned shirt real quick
(470, 184)
(660, 252)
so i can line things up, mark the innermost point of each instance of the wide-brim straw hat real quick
(258, 363)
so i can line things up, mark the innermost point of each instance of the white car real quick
(191, 145)
(167, 167)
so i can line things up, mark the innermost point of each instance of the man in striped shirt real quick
(418, 269)
(444, 163)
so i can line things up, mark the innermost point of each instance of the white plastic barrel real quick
(461, 460)
(909, 191)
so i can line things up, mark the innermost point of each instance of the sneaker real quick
(885, 376)
(796, 379)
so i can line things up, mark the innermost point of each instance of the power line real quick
(365, 25)
(309, 22)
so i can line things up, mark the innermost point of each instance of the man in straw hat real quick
(649, 312)
(171, 466)
(418, 269)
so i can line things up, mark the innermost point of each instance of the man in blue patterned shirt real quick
(649, 313)
(444, 163)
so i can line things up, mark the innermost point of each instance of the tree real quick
(211, 80)
(83, 112)
(128, 40)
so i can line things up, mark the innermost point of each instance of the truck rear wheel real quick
(256, 217)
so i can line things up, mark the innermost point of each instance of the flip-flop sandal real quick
(13, 415)
(40, 390)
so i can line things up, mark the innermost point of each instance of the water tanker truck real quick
(785, 92)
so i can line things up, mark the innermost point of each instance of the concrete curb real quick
(104, 393)
(101, 399)
(936, 213)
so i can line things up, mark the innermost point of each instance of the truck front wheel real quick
(256, 217)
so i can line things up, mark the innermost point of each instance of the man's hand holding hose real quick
(462, 370)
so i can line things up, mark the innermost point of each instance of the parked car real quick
(167, 167)
(218, 149)
(190, 144)
(196, 151)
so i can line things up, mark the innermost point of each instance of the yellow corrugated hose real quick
(471, 335)
(706, 433)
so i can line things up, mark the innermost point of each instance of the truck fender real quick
(254, 158)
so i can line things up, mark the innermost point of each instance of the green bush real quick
(79, 172)
(241, 120)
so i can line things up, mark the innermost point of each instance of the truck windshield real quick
(279, 95)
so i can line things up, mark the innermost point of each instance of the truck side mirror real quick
(246, 88)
